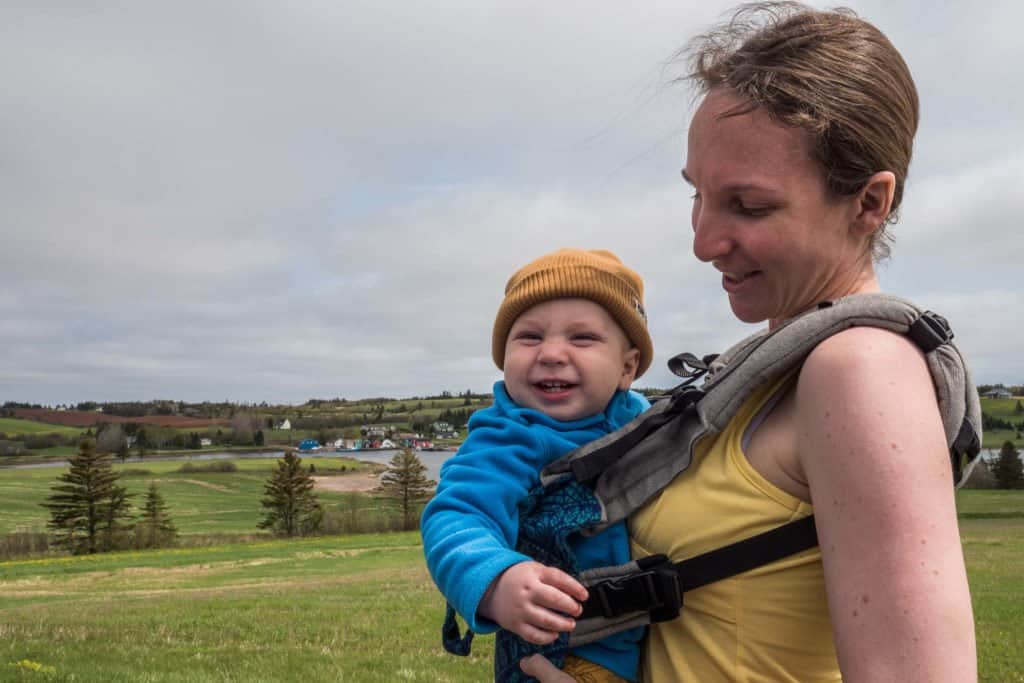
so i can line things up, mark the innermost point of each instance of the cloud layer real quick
(259, 202)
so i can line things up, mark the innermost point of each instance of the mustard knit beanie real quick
(594, 274)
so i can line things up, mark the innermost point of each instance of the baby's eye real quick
(527, 337)
(585, 338)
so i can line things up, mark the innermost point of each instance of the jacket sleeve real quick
(469, 527)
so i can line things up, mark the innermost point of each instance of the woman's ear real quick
(629, 367)
(874, 202)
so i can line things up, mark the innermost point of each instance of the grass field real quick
(199, 502)
(356, 608)
(1003, 409)
(307, 610)
(15, 426)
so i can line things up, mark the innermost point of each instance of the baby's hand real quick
(532, 600)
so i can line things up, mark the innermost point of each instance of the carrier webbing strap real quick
(658, 585)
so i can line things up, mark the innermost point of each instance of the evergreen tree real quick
(1008, 469)
(291, 506)
(87, 506)
(155, 529)
(406, 482)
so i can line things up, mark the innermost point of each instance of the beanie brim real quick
(605, 283)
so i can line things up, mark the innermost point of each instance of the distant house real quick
(205, 442)
(285, 424)
(998, 392)
(374, 430)
(443, 430)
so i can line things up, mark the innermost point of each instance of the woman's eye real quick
(754, 211)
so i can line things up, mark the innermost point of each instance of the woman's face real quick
(763, 218)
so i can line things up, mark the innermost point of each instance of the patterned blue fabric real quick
(547, 520)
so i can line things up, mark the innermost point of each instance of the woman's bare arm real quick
(872, 447)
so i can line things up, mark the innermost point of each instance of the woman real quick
(797, 156)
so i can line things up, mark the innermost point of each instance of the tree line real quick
(90, 511)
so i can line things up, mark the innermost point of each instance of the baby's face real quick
(566, 358)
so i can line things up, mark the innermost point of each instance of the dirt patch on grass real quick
(346, 483)
(208, 485)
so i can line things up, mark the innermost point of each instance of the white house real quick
(286, 424)
(997, 393)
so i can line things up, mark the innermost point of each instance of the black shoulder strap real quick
(659, 584)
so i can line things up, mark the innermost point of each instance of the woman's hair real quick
(828, 72)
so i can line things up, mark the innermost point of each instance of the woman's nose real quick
(711, 239)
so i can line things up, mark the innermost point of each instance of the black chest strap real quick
(658, 584)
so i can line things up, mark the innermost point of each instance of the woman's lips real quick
(736, 283)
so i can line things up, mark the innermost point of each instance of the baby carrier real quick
(606, 480)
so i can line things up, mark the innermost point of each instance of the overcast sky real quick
(277, 201)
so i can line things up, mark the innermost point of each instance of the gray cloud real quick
(257, 201)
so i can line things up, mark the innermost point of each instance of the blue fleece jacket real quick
(469, 527)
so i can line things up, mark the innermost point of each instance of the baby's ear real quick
(631, 361)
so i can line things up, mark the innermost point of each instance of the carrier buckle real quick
(654, 589)
(930, 331)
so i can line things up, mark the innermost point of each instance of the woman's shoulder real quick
(869, 388)
(866, 356)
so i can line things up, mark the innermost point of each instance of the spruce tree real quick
(155, 529)
(292, 508)
(1008, 468)
(406, 482)
(87, 505)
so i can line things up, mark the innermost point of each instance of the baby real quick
(570, 337)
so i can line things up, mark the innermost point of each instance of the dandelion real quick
(36, 667)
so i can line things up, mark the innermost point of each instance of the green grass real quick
(355, 608)
(16, 426)
(992, 529)
(199, 502)
(1003, 409)
(308, 610)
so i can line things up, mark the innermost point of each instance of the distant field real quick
(1003, 409)
(199, 503)
(14, 426)
(81, 418)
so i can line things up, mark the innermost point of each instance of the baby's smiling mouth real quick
(553, 386)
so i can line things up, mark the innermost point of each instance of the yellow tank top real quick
(768, 624)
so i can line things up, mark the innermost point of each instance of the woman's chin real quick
(747, 313)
